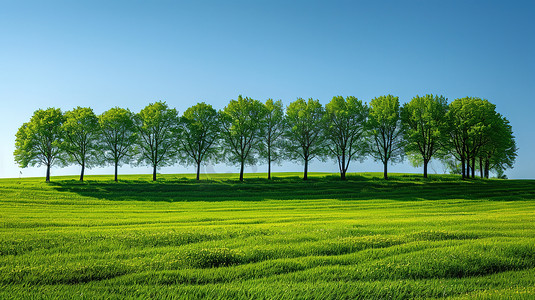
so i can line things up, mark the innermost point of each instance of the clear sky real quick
(130, 53)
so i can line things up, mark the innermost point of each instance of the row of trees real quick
(468, 131)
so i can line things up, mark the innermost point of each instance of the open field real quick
(219, 238)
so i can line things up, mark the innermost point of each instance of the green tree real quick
(274, 126)
(157, 127)
(500, 151)
(469, 127)
(81, 137)
(344, 130)
(304, 138)
(457, 132)
(425, 120)
(485, 118)
(385, 130)
(241, 130)
(118, 136)
(38, 141)
(199, 128)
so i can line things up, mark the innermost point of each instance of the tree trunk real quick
(116, 163)
(154, 173)
(463, 169)
(467, 170)
(481, 167)
(305, 175)
(487, 163)
(473, 167)
(425, 167)
(342, 167)
(468, 166)
(48, 173)
(385, 170)
(269, 162)
(467, 162)
(241, 171)
(82, 173)
(198, 169)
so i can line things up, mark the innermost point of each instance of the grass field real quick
(219, 238)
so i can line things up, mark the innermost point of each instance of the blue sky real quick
(130, 53)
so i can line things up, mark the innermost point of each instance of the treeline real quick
(468, 134)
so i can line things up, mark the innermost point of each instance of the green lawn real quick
(219, 238)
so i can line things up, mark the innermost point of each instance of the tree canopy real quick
(345, 127)
(199, 135)
(304, 138)
(274, 126)
(157, 127)
(241, 130)
(425, 122)
(81, 137)
(465, 135)
(38, 142)
(385, 130)
(118, 136)
(470, 125)
(499, 150)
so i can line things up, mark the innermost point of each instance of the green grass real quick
(220, 238)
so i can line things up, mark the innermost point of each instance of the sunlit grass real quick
(220, 238)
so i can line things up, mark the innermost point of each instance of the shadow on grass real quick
(400, 188)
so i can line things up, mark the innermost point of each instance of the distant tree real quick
(425, 120)
(118, 136)
(449, 162)
(481, 131)
(385, 130)
(199, 129)
(274, 126)
(469, 129)
(345, 128)
(242, 130)
(500, 151)
(38, 141)
(304, 138)
(458, 132)
(81, 137)
(157, 127)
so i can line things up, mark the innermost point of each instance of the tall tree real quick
(484, 117)
(274, 126)
(425, 120)
(304, 138)
(157, 127)
(457, 132)
(385, 130)
(118, 136)
(81, 133)
(199, 129)
(500, 152)
(38, 141)
(241, 130)
(469, 127)
(344, 130)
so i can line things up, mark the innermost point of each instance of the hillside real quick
(219, 238)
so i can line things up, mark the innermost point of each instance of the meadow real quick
(364, 238)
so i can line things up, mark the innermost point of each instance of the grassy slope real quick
(283, 239)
